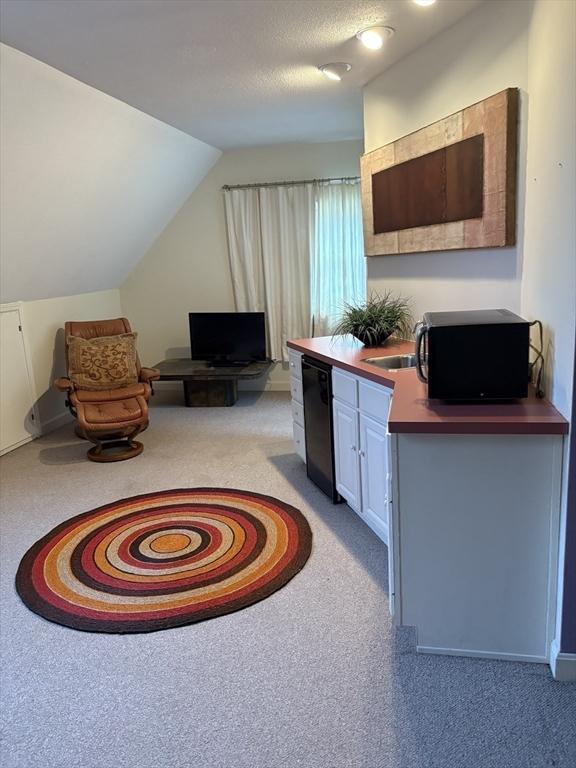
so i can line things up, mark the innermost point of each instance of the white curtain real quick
(338, 274)
(270, 239)
(297, 254)
(242, 208)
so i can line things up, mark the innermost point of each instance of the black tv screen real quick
(235, 337)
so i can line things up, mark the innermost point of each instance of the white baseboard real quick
(563, 665)
(482, 654)
(13, 447)
(55, 422)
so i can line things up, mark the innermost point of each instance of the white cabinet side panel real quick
(299, 440)
(295, 364)
(296, 389)
(478, 515)
(297, 413)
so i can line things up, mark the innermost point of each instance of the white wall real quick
(187, 268)
(480, 55)
(87, 182)
(549, 278)
(43, 326)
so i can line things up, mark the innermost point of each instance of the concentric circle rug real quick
(164, 560)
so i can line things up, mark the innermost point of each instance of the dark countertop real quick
(411, 410)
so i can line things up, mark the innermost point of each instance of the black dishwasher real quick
(317, 386)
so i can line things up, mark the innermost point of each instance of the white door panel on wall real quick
(16, 390)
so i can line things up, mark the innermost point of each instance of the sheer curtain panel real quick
(338, 274)
(271, 236)
(242, 208)
(287, 216)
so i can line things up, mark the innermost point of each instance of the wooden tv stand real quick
(208, 385)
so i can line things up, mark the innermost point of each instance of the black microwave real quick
(474, 355)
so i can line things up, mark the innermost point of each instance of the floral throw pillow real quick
(106, 362)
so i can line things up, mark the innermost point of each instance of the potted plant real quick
(374, 320)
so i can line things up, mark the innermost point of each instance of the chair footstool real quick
(105, 451)
(113, 441)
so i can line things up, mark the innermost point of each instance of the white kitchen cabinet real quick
(479, 546)
(345, 387)
(469, 504)
(364, 455)
(299, 437)
(362, 449)
(346, 454)
(375, 474)
(374, 400)
(295, 366)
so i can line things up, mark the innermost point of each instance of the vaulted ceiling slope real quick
(88, 182)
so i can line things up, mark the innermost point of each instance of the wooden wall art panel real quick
(450, 185)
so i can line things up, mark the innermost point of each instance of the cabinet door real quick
(295, 364)
(374, 471)
(299, 440)
(393, 582)
(17, 402)
(346, 457)
(296, 389)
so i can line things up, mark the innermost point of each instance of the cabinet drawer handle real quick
(352, 447)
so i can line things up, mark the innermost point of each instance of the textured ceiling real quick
(229, 72)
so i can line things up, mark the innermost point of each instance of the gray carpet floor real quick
(313, 677)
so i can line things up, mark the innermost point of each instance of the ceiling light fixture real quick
(424, 3)
(374, 37)
(336, 70)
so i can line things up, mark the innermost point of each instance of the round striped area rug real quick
(164, 560)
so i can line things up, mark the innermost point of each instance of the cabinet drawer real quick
(374, 401)
(299, 441)
(345, 387)
(296, 389)
(295, 364)
(297, 413)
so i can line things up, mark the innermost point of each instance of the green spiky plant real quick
(374, 320)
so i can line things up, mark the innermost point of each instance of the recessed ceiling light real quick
(424, 3)
(336, 70)
(374, 37)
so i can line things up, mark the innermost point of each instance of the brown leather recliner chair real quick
(109, 418)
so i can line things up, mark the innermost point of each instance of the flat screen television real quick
(227, 338)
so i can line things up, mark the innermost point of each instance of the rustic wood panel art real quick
(451, 185)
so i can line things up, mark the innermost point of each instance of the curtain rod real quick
(289, 183)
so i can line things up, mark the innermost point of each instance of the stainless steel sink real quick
(392, 362)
